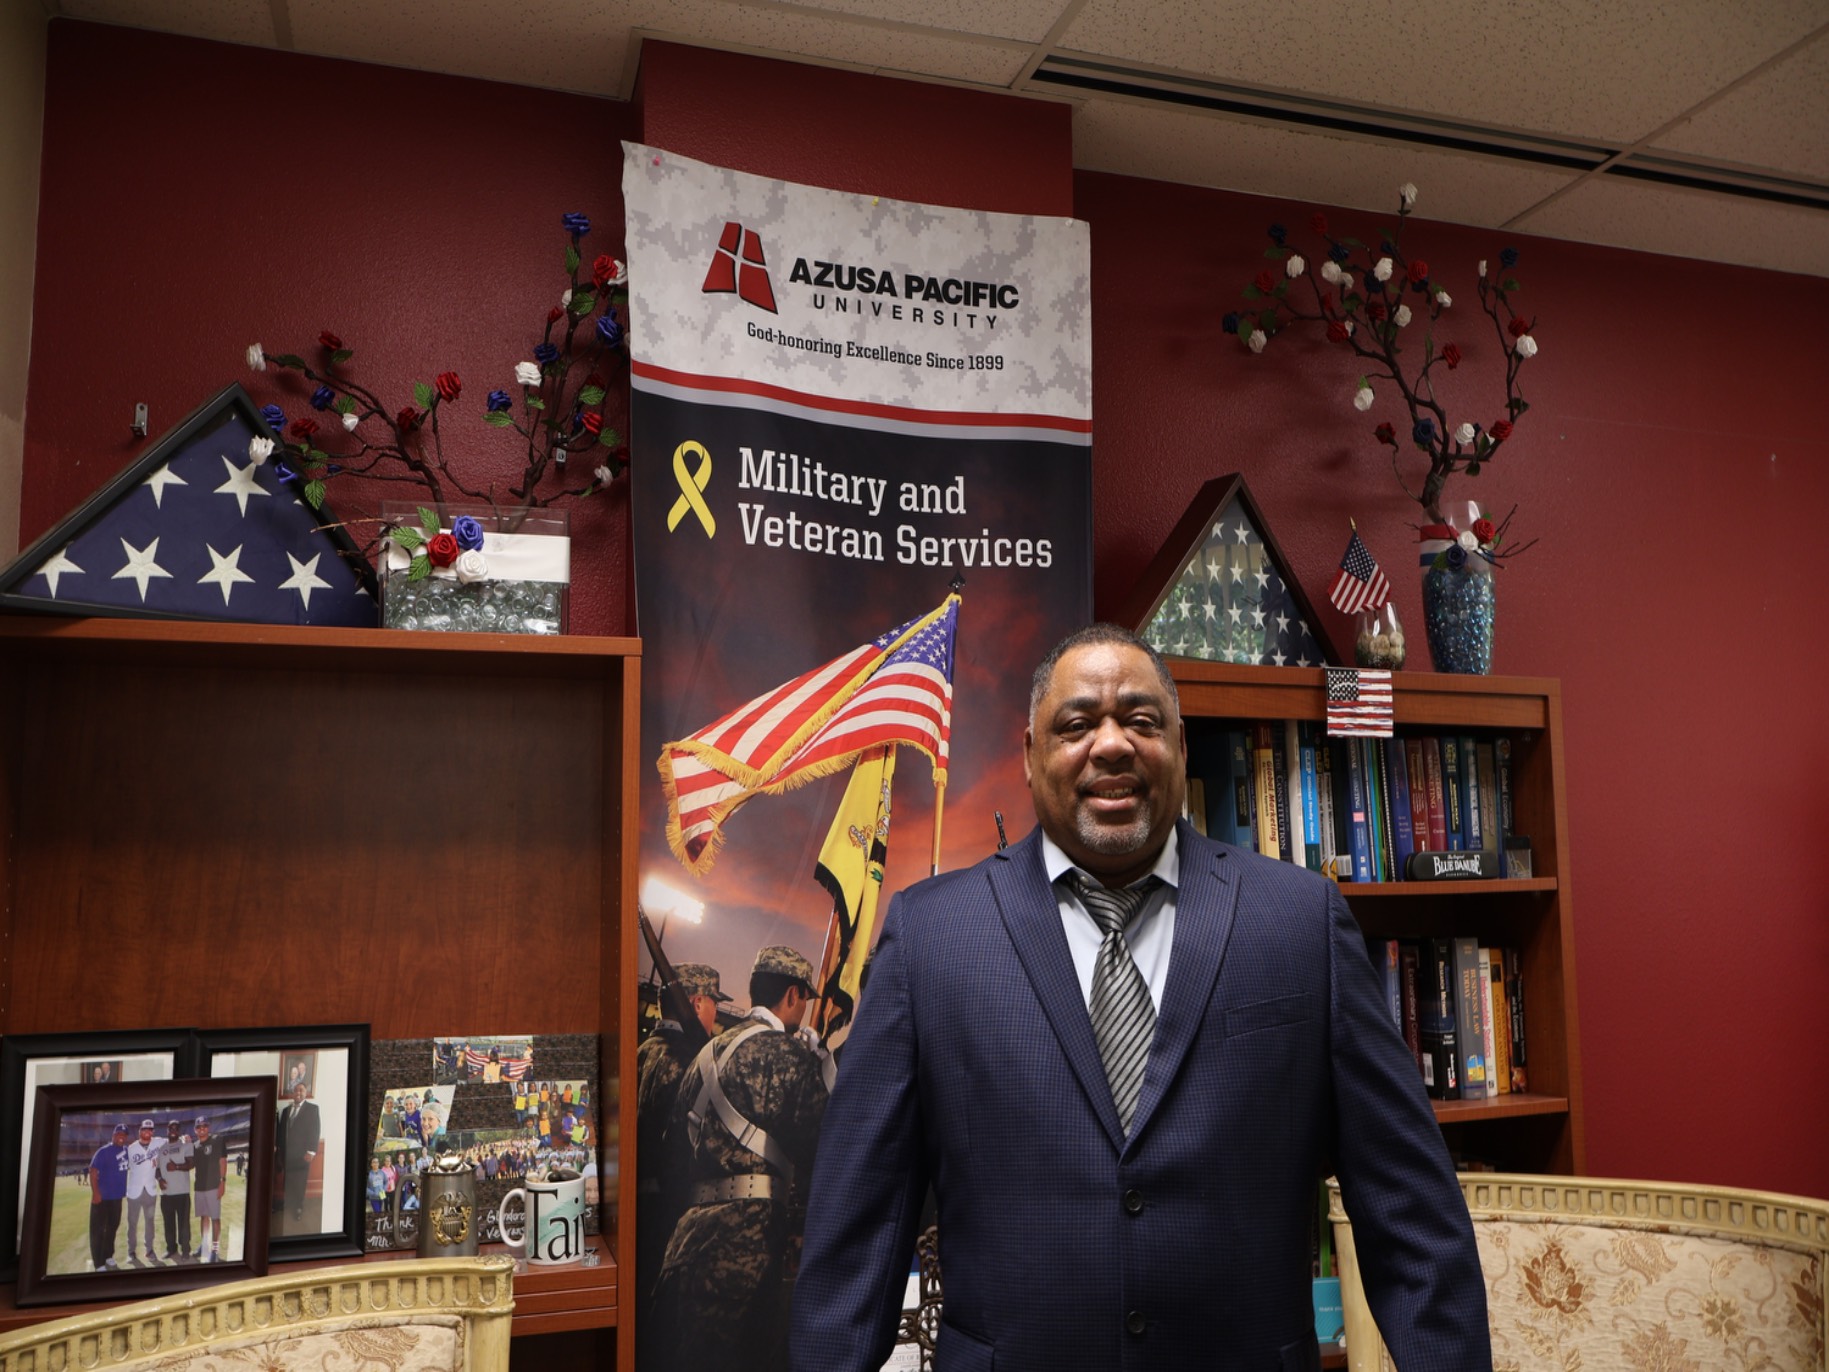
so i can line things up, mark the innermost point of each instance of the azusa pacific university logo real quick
(737, 268)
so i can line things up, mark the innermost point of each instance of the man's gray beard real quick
(1113, 840)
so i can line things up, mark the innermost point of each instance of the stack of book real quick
(1460, 1007)
(1357, 809)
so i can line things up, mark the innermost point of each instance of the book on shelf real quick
(1238, 749)
(1409, 954)
(1376, 814)
(1502, 760)
(1488, 1030)
(1470, 995)
(1194, 804)
(1514, 1003)
(1438, 809)
(1397, 781)
(1419, 793)
(1290, 763)
(1489, 798)
(1263, 795)
(1208, 793)
(1358, 811)
(1470, 794)
(1435, 1019)
(1501, 1021)
(1307, 736)
(1324, 803)
(1285, 829)
(1385, 959)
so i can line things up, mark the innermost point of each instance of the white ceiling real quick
(1691, 127)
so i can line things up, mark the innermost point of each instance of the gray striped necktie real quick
(1123, 1016)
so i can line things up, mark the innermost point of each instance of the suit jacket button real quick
(1133, 1202)
(1134, 1322)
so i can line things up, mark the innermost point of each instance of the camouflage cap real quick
(784, 962)
(699, 979)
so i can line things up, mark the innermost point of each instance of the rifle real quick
(675, 1004)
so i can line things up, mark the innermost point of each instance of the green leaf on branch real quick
(1349, 242)
(590, 395)
(1252, 292)
(608, 439)
(420, 569)
(583, 302)
(1276, 254)
(1282, 288)
(345, 404)
(1267, 321)
(535, 403)
(498, 419)
(1510, 284)
(408, 537)
(342, 354)
(1517, 406)
(1354, 302)
(571, 258)
(1473, 469)
(428, 520)
(314, 494)
(422, 395)
(292, 360)
(1244, 330)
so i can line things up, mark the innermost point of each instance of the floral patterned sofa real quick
(436, 1315)
(1629, 1275)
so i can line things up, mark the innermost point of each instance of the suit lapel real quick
(1032, 917)
(1204, 904)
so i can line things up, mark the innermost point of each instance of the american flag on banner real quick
(1358, 585)
(513, 1069)
(1358, 702)
(896, 689)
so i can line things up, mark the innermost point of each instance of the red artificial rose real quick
(330, 341)
(449, 386)
(1518, 327)
(1483, 530)
(304, 428)
(1419, 272)
(1374, 309)
(593, 421)
(554, 315)
(1337, 331)
(604, 270)
(1501, 430)
(1384, 433)
(408, 419)
(1452, 356)
(593, 380)
(442, 549)
(1319, 224)
(1265, 281)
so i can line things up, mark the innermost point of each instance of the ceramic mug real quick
(552, 1230)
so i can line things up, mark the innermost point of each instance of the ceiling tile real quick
(228, 21)
(783, 32)
(1330, 169)
(1683, 223)
(1583, 68)
(570, 47)
(1779, 119)
(1026, 20)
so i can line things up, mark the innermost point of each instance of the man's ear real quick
(1028, 742)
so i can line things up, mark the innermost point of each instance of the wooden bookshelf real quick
(1541, 1130)
(227, 824)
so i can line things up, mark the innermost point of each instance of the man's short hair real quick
(767, 988)
(1091, 634)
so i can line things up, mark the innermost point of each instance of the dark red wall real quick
(1672, 467)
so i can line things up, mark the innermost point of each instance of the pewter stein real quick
(447, 1209)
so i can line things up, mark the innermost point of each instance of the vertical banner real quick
(861, 506)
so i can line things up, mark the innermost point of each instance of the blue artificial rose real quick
(1230, 322)
(1277, 234)
(609, 332)
(1508, 258)
(1457, 557)
(283, 472)
(577, 225)
(467, 532)
(1339, 252)
(321, 398)
(275, 417)
(1424, 432)
(1373, 286)
(331, 469)
(498, 400)
(545, 354)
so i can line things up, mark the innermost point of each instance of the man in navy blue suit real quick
(1153, 1213)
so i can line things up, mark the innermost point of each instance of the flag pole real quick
(933, 868)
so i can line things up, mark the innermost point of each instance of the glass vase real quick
(1459, 602)
(515, 581)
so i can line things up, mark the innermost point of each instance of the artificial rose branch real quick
(1358, 299)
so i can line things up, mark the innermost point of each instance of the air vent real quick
(1310, 112)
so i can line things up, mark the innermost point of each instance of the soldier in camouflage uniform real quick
(749, 1109)
(660, 1064)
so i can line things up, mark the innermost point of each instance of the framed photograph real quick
(137, 1188)
(29, 1061)
(320, 1152)
(1220, 589)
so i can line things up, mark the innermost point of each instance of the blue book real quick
(1306, 731)
(1330, 1314)
(1374, 810)
(1471, 827)
(1453, 798)
(1397, 778)
(1238, 748)
(1359, 831)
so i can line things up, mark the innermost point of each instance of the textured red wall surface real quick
(1672, 467)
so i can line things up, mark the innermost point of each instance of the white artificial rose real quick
(259, 450)
(471, 566)
(1330, 272)
(565, 300)
(1464, 434)
(1402, 316)
(527, 373)
(620, 272)
(604, 475)
(257, 357)
(1482, 268)
(350, 420)
(1468, 541)
(1408, 192)
(1295, 266)
(1526, 346)
(1362, 398)
(1443, 300)
(1382, 271)
(1257, 340)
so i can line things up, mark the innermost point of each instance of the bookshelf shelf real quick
(1535, 1131)
(353, 824)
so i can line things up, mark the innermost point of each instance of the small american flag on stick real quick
(1358, 702)
(1358, 585)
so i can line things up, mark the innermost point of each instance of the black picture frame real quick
(28, 1061)
(63, 1225)
(1206, 536)
(333, 1061)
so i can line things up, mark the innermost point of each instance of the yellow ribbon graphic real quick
(691, 483)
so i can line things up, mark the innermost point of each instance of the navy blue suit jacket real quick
(1063, 1244)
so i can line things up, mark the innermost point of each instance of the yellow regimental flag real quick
(851, 869)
